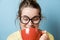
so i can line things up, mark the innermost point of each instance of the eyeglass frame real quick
(30, 19)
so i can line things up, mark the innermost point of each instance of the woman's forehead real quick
(30, 12)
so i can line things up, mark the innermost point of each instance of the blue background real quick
(50, 22)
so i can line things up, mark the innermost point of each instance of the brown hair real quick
(28, 3)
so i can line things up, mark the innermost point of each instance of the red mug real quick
(31, 34)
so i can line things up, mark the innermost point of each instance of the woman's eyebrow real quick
(35, 16)
(29, 17)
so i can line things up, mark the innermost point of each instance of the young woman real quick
(29, 14)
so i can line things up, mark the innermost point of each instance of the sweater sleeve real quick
(51, 37)
(15, 36)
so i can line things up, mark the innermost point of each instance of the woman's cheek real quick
(23, 26)
(37, 26)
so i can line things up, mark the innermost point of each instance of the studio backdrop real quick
(50, 21)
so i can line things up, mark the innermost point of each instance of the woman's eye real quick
(25, 19)
(35, 19)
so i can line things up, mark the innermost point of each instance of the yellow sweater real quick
(17, 36)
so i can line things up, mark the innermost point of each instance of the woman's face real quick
(29, 18)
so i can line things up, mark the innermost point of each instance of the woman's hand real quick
(44, 36)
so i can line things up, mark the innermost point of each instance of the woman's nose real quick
(30, 22)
